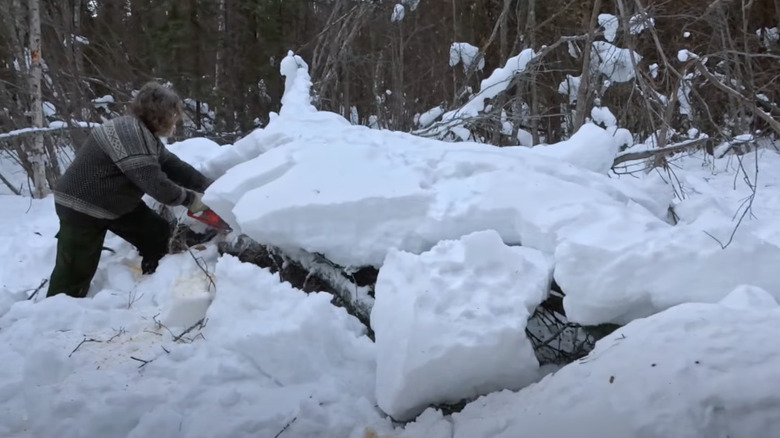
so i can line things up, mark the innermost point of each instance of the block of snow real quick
(695, 370)
(664, 268)
(450, 323)
(189, 300)
(196, 152)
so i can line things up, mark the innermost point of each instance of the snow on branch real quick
(649, 153)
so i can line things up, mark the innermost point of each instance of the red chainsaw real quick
(211, 219)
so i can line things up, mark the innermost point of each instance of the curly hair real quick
(158, 107)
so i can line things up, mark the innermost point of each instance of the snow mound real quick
(591, 147)
(450, 323)
(353, 193)
(695, 370)
(617, 280)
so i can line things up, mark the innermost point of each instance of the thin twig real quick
(286, 426)
(38, 289)
(143, 362)
(200, 324)
(84, 341)
(203, 268)
(119, 333)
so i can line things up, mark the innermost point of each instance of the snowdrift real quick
(695, 370)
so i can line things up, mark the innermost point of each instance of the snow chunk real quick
(465, 53)
(639, 22)
(601, 115)
(665, 268)
(653, 70)
(49, 109)
(591, 147)
(696, 370)
(196, 151)
(570, 87)
(430, 116)
(610, 24)
(684, 55)
(398, 13)
(613, 62)
(461, 307)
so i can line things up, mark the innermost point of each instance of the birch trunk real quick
(37, 151)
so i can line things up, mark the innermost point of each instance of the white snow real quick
(49, 109)
(398, 13)
(613, 62)
(461, 307)
(430, 116)
(697, 370)
(465, 53)
(570, 87)
(653, 68)
(610, 24)
(684, 55)
(601, 115)
(639, 22)
(267, 355)
(591, 148)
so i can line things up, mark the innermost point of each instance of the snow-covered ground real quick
(468, 239)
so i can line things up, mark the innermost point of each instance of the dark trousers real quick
(80, 243)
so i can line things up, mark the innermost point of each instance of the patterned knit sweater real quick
(120, 162)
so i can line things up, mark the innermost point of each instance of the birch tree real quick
(37, 152)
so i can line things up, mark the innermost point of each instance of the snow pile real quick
(617, 280)
(450, 323)
(696, 370)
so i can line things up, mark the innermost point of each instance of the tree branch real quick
(650, 153)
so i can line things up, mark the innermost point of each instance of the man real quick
(101, 191)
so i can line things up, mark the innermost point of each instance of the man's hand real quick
(197, 205)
